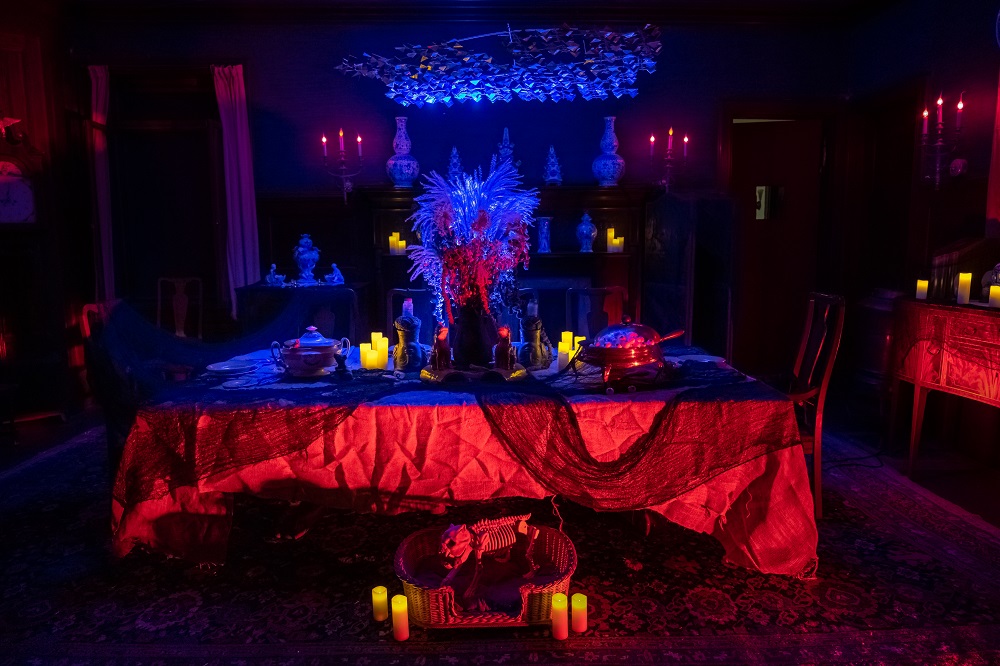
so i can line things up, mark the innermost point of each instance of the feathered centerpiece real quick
(474, 235)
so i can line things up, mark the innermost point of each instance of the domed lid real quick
(626, 335)
(313, 338)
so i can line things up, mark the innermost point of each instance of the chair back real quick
(180, 291)
(589, 310)
(820, 343)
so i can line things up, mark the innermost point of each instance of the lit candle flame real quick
(940, 100)
(926, 113)
(324, 138)
(671, 131)
(652, 138)
(685, 138)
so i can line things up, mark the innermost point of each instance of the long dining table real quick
(708, 448)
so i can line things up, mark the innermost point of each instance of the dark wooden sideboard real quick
(944, 347)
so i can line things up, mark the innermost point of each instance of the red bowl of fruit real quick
(625, 345)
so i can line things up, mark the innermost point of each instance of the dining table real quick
(703, 445)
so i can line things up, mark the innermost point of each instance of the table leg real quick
(919, 402)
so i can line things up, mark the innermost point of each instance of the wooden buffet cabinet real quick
(943, 347)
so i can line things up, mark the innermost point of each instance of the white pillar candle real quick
(567, 339)
(564, 351)
(383, 353)
(560, 619)
(994, 296)
(964, 287)
(922, 289)
(363, 350)
(579, 602)
(400, 618)
(380, 603)
(371, 359)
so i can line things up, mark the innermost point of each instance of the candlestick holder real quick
(673, 169)
(343, 173)
(941, 144)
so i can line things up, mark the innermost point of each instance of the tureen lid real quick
(627, 334)
(313, 338)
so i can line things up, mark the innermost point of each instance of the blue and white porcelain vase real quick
(402, 167)
(544, 235)
(306, 257)
(609, 166)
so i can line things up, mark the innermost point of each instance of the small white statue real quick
(334, 276)
(273, 279)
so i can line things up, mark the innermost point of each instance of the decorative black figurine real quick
(409, 355)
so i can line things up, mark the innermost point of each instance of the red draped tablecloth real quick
(724, 463)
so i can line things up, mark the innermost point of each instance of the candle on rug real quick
(567, 339)
(371, 359)
(376, 336)
(922, 289)
(994, 296)
(577, 339)
(579, 602)
(400, 620)
(380, 603)
(964, 287)
(560, 621)
(363, 350)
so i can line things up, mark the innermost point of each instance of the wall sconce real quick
(342, 173)
(937, 146)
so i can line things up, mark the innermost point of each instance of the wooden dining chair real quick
(180, 297)
(589, 310)
(811, 378)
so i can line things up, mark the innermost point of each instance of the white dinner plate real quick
(232, 367)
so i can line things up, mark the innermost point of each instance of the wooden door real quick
(775, 249)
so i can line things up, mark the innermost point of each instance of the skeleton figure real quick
(495, 538)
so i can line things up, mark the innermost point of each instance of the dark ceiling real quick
(663, 12)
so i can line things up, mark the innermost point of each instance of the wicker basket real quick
(434, 607)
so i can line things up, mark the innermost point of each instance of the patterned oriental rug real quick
(904, 578)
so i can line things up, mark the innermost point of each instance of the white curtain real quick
(104, 250)
(242, 253)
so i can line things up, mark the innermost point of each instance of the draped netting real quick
(713, 420)
(195, 431)
(701, 433)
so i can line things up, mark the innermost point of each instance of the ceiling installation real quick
(532, 64)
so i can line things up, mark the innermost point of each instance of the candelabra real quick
(936, 147)
(342, 172)
(672, 167)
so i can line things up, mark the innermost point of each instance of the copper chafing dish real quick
(620, 347)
